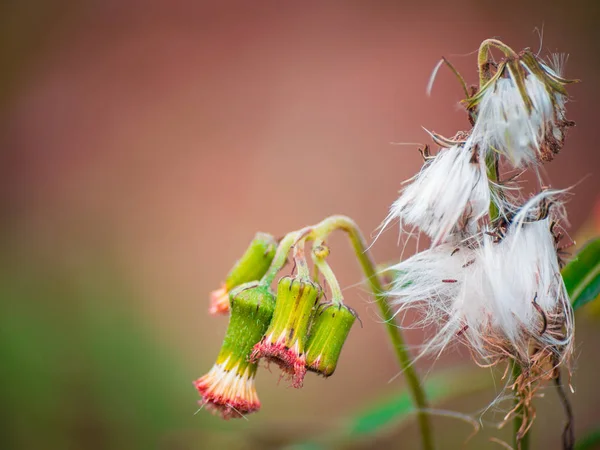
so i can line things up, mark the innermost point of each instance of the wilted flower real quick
(500, 292)
(228, 389)
(284, 341)
(520, 112)
(506, 280)
(451, 190)
(328, 333)
(492, 276)
(253, 264)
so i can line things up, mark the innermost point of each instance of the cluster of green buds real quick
(293, 329)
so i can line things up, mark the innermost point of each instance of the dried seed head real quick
(450, 192)
(520, 113)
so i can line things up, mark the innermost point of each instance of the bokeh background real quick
(144, 142)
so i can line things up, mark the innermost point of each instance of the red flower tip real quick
(219, 301)
(228, 394)
(289, 359)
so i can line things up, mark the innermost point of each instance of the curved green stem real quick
(300, 259)
(281, 255)
(404, 359)
(483, 57)
(319, 260)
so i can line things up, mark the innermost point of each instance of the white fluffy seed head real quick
(450, 193)
(434, 282)
(506, 293)
(504, 124)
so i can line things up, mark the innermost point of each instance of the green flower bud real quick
(285, 340)
(253, 264)
(328, 333)
(228, 389)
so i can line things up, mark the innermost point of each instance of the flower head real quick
(450, 191)
(328, 333)
(228, 388)
(284, 341)
(253, 264)
(520, 112)
(501, 293)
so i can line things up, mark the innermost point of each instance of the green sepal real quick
(252, 306)
(254, 263)
(329, 331)
(297, 300)
(549, 80)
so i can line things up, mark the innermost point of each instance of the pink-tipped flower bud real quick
(284, 342)
(228, 389)
(328, 333)
(253, 264)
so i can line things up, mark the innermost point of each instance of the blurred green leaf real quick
(582, 275)
(398, 408)
(82, 367)
(393, 411)
(589, 441)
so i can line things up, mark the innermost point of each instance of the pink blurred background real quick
(158, 136)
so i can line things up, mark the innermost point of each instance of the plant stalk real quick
(523, 442)
(403, 356)
(492, 173)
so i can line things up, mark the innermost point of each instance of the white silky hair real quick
(487, 292)
(449, 188)
(522, 269)
(434, 282)
(505, 125)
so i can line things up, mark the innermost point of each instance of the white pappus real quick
(504, 123)
(499, 294)
(450, 191)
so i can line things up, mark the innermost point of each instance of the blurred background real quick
(143, 143)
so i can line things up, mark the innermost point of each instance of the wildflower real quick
(522, 278)
(284, 341)
(520, 112)
(328, 333)
(498, 290)
(433, 281)
(228, 388)
(450, 192)
(502, 294)
(250, 267)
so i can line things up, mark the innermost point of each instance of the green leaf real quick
(398, 408)
(582, 275)
(589, 442)
(392, 411)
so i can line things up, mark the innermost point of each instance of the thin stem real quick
(404, 359)
(483, 57)
(520, 443)
(300, 259)
(568, 432)
(281, 255)
(319, 254)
